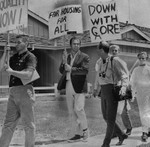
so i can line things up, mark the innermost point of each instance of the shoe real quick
(128, 132)
(104, 145)
(144, 137)
(75, 138)
(148, 134)
(85, 135)
(124, 136)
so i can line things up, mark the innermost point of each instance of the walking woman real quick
(140, 84)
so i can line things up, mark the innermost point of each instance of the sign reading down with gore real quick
(103, 21)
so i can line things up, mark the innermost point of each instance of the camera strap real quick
(105, 67)
(111, 59)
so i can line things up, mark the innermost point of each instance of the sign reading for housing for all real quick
(65, 19)
(13, 15)
(103, 21)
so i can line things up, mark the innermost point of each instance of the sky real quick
(134, 11)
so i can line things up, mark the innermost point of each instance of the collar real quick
(22, 54)
(143, 65)
(75, 54)
(106, 60)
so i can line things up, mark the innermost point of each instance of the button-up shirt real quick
(115, 71)
(21, 62)
(71, 63)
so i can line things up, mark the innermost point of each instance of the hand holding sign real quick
(7, 48)
(64, 56)
(7, 52)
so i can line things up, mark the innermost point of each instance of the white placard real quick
(65, 19)
(34, 77)
(103, 21)
(13, 14)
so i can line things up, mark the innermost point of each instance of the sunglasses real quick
(114, 50)
(142, 58)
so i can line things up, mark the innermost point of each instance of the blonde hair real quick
(114, 46)
(142, 53)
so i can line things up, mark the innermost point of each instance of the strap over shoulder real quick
(111, 60)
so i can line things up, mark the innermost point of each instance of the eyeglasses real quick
(142, 58)
(18, 42)
(114, 50)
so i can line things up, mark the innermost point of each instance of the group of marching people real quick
(74, 69)
(109, 72)
(138, 78)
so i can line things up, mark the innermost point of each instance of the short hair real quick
(114, 47)
(142, 53)
(74, 38)
(25, 38)
(104, 45)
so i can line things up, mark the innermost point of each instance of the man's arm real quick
(83, 69)
(97, 65)
(121, 71)
(24, 74)
(97, 86)
(63, 62)
(3, 60)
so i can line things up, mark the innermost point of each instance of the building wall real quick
(132, 35)
(36, 28)
(49, 61)
(48, 65)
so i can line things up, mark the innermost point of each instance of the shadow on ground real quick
(49, 142)
(15, 145)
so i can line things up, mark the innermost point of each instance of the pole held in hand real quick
(8, 47)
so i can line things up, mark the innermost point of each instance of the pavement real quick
(133, 140)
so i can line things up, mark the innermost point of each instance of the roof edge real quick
(38, 17)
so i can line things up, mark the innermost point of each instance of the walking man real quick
(21, 97)
(125, 114)
(75, 66)
(108, 103)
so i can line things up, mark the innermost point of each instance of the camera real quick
(103, 74)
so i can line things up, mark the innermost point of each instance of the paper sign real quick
(103, 21)
(13, 15)
(65, 19)
(34, 77)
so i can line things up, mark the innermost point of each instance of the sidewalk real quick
(96, 141)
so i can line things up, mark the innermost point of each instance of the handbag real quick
(62, 82)
(117, 88)
(118, 97)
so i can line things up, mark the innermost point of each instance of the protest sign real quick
(65, 19)
(13, 14)
(103, 21)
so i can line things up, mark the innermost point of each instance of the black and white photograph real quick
(74, 73)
